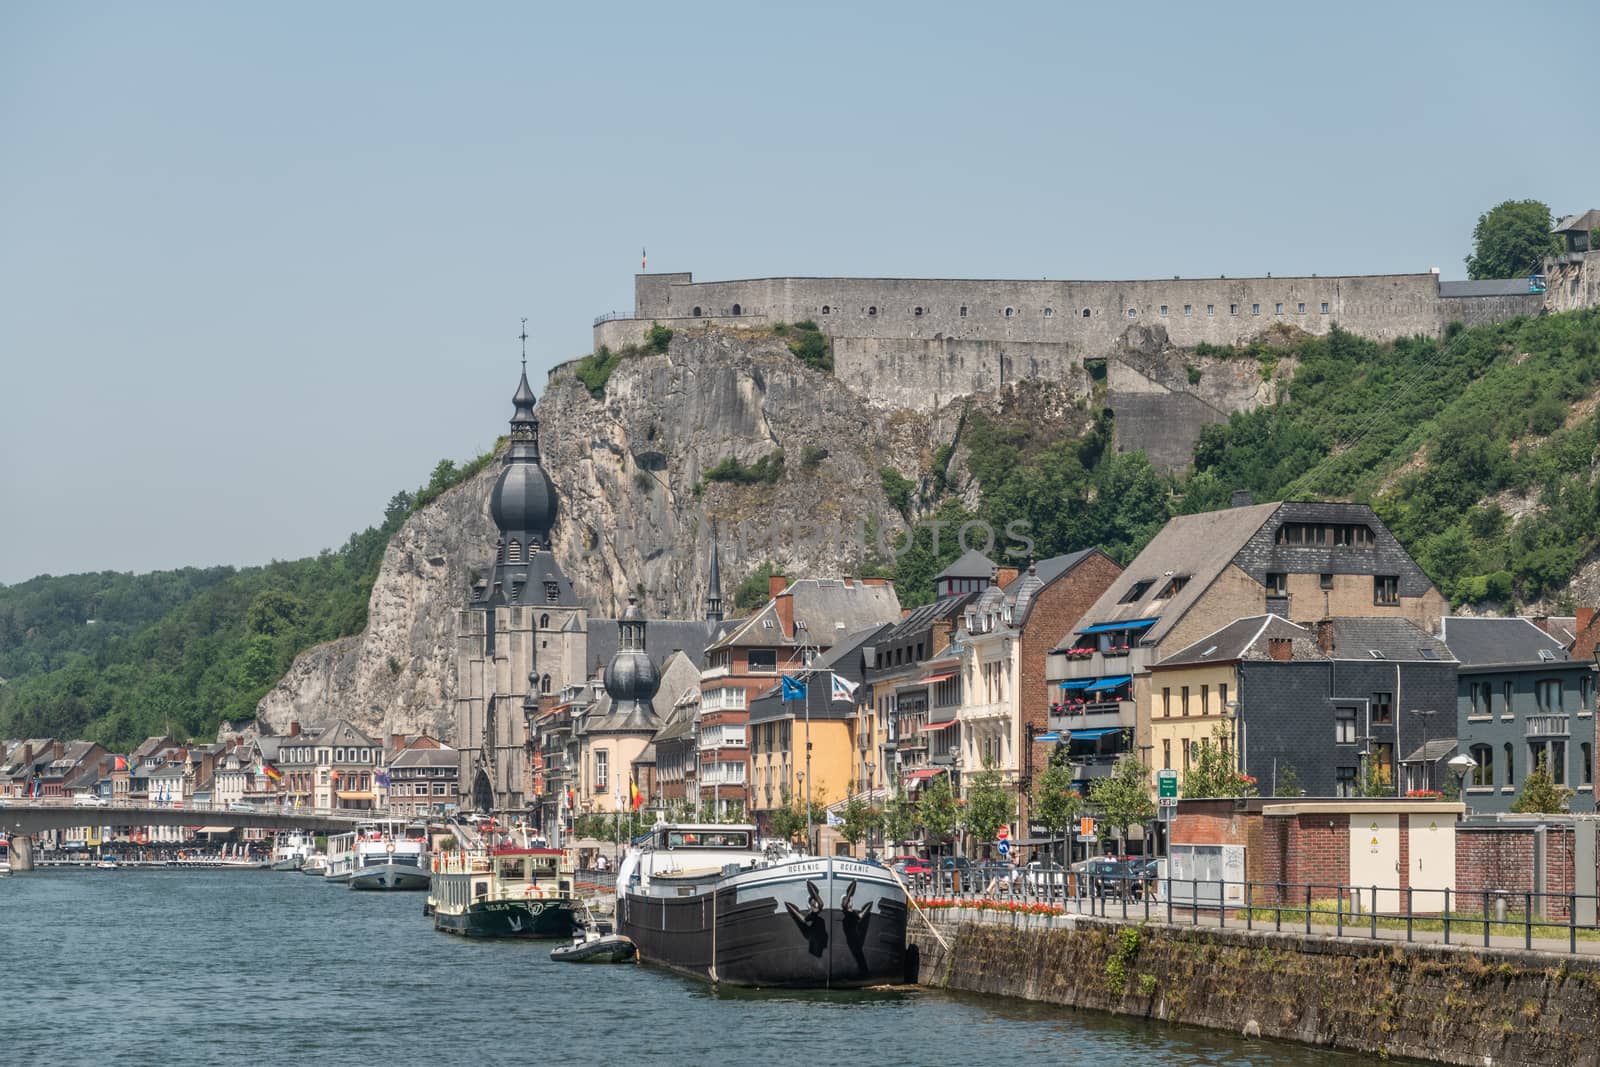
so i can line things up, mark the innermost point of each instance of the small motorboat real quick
(103, 864)
(595, 947)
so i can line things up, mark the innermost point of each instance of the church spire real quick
(714, 583)
(524, 423)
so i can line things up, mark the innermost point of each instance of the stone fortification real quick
(1444, 1004)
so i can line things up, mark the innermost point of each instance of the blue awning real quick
(1131, 624)
(1109, 683)
(1096, 733)
(1047, 737)
(1077, 683)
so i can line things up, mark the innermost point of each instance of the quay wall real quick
(1438, 1003)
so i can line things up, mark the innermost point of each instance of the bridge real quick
(21, 819)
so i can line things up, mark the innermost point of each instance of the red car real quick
(910, 866)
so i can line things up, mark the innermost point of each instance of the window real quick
(544, 622)
(1233, 309)
(1205, 700)
(1549, 695)
(1085, 312)
(1586, 774)
(1222, 697)
(602, 769)
(1277, 309)
(872, 311)
(826, 310)
(1166, 753)
(1324, 307)
(1049, 313)
(1383, 709)
(1301, 307)
(1133, 313)
(1344, 784)
(1385, 589)
(1166, 702)
(1344, 726)
(1383, 763)
(1183, 700)
(1211, 309)
(1009, 312)
(1505, 703)
(761, 661)
(1185, 746)
(1255, 309)
(737, 310)
(1277, 583)
(1483, 773)
(1558, 762)
(917, 311)
(1510, 767)
(1138, 591)
(552, 593)
(696, 312)
(1478, 696)
(1173, 587)
(963, 311)
(1188, 309)
(1163, 309)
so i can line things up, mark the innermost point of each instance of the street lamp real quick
(1461, 765)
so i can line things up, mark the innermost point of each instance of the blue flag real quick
(792, 689)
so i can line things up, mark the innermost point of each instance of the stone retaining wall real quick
(1444, 1004)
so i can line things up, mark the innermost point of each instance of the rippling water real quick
(258, 967)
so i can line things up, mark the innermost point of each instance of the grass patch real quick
(1462, 923)
(764, 471)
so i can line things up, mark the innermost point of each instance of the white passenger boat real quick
(289, 851)
(341, 857)
(390, 856)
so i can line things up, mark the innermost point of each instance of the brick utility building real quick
(1521, 698)
(1340, 702)
(1301, 561)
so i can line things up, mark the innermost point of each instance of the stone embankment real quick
(1443, 1004)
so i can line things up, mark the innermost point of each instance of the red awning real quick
(932, 726)
(922, 774)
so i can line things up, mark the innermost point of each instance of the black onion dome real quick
(630, 676)
(524, 499)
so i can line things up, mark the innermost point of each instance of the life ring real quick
(530, 892)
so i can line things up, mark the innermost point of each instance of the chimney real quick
(783, 602)
(1005, 575)
(1585, 620)
(58, 749)
(294, 729)
(1325, 635)
(776, 584)
(1280, 648)
(1242, 498)
(397, 741)
(1541, 621)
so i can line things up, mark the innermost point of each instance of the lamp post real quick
(1425, 714)
(1461, 765)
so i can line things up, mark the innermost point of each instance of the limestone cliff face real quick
(635, 513)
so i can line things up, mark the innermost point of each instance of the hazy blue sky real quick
(261, 265)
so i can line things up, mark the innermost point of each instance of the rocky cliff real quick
(637, 508)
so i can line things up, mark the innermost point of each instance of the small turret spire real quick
(714, 583)
(523, 336)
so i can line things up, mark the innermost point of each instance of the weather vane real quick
(524, 338)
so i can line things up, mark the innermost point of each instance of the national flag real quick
(120, 763)
(273, 774)
(844, 689)
(644, 260)
(793, 689)
(569, 798)
(381, 778)
(635, 798)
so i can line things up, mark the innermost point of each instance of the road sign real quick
(1004, 847)
(1003, 834)
(1086, 827)
(1167, 784)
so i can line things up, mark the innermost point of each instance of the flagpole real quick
(806, 700)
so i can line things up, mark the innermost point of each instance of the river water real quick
(261, 967)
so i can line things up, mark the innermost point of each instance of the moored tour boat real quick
(289, 851)
(704, 900)
(390, 856)
(505, 890)
(315, 864)
(341, 857)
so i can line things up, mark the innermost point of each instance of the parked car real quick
(1046, 876)
(911, 867)
(1122, 879)
(88, 800)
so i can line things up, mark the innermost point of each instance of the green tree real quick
(1288, 782)
(752, 592)
(989, 805)
(1539, 794)
(899, 820)
(787, 821)
(1123, 798)
(936, 812)
(860, 820)
(1056, 804)
(1212, 772)
(1511, 240)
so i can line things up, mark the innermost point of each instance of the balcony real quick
(1099, 716)
(981, 711)
(1547, 726)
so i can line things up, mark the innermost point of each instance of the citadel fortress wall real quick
(918, 343)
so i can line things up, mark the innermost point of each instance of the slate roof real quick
(1394, 639)
(829, 608)
(1200, 546)
(923, 617)
(1239, 638)
(1589, 220)
(844, 658)
(661, 636)
(426, 757)
(1432, 751)
(971, 564)
(1044, 573)
(343, 733)
(1502, 642)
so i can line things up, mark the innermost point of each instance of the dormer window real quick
(1140, 588)
(552, 593)
(1173, 587)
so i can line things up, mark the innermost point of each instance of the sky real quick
(262, 266)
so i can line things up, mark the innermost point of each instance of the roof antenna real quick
(524, 338)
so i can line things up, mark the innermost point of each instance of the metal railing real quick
(1487, 918)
